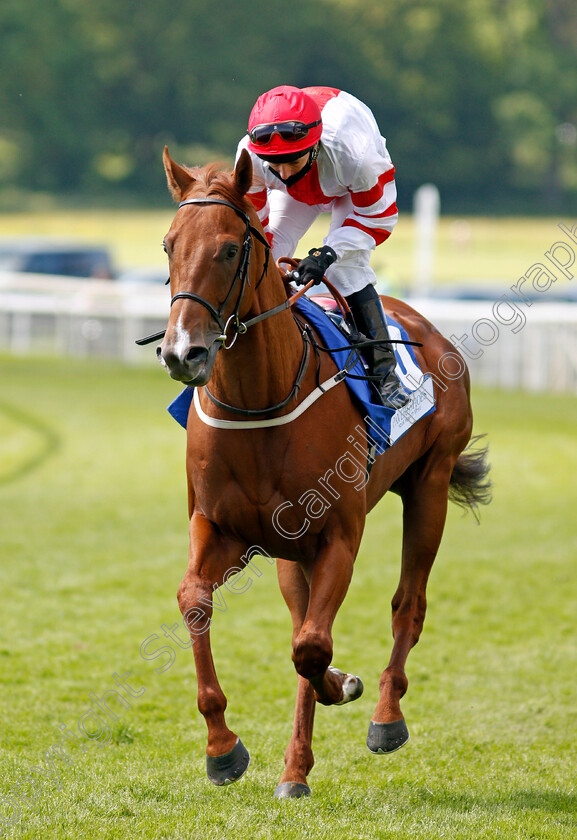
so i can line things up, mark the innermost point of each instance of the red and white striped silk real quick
(353, 162)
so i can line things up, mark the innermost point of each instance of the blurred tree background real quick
(476, 96)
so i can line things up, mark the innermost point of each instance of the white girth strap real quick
(275, 421)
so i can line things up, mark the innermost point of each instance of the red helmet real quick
(283, 121)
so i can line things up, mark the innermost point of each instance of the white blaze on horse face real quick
(182, 342)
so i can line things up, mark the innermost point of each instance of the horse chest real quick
(270, 495)
(226, 478)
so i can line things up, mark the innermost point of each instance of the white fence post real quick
(426, 207)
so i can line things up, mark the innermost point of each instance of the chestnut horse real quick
(239, 478)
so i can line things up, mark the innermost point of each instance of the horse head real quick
(208, 247)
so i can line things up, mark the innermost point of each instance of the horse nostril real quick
(160, 357)
(196, 354)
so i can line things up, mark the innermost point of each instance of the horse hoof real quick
(291, 790)
(387, 737)
(352, 686)
(228, 768)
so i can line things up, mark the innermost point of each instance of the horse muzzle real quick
(192, 364)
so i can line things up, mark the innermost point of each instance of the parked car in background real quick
(144, 275)
(51, 256)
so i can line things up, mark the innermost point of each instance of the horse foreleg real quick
(424, 513)
(210, 558)
(299, 757)
(329, 578)
(313, 601)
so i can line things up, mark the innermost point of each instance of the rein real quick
(241, 327)
(241, 272)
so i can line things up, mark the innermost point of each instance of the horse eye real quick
(164, 247)
(231, 252)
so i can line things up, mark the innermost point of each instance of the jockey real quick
(320, 150)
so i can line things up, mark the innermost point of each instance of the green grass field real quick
(469, 249)
(94, 543)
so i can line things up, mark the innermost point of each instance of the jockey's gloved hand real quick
(315, 265)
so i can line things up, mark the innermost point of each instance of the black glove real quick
(314, 266)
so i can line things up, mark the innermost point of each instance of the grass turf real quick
(94, 541)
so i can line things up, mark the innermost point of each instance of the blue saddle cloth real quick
(384, 425)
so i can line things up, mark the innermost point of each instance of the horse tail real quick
(470, 485)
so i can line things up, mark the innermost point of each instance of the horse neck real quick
(259, 370)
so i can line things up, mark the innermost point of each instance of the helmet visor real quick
(290, 131)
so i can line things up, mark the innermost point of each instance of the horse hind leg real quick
(424, 494)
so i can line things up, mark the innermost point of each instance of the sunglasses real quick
(289, 131)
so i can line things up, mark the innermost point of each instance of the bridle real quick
(240, 327)
(241, 273)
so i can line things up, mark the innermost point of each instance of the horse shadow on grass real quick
(556, 803)
(525, 799)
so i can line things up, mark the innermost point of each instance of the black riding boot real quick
(370, 320)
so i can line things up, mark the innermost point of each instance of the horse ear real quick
(178, 178)
(243, 172)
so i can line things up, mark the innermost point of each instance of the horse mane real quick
(214, 180)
